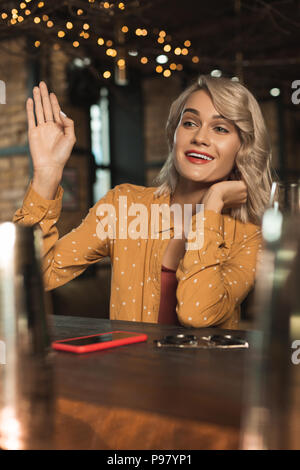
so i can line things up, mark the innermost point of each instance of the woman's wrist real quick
(213, 201)
(45, 182)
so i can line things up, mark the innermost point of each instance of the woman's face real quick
(202, 131)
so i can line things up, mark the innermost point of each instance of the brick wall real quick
(13, 127)
(13, 71)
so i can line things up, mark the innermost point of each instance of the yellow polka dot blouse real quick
(212, 280)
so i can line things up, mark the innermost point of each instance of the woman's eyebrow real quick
(195, 111)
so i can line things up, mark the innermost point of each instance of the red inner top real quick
(167, 310)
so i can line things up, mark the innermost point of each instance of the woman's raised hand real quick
(51, 140)
(51, 137)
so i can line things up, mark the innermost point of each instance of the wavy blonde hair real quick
(253, 160)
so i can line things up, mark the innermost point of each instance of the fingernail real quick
(63, 114)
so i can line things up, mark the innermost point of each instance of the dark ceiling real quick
(257, 40)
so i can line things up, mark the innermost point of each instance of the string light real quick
(161, 36)
(133, 53)
(111, 52)
(216, 73)
(162, 59)
(121, 63)
(275, 92)
(107, 74)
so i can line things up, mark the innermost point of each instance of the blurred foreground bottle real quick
(270, 373)
(26, 373)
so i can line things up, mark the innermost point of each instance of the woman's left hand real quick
(226, 194)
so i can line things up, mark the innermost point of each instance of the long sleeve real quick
(213, 280)
(67, 257)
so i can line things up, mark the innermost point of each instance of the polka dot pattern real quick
(212, 280)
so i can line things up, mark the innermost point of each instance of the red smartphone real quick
(85, 344)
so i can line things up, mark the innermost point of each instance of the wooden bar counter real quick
(141, 397)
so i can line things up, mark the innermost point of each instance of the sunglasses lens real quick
(226, 340)
(180, 339)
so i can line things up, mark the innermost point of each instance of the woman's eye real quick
(222, 129)
(187, 123)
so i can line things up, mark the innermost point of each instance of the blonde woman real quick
(219, 159)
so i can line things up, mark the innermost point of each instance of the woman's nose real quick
(201, 136)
